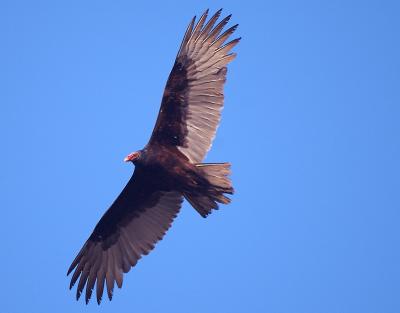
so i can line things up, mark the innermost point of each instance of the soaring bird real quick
(168, 169)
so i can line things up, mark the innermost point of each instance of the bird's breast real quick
(165, 168)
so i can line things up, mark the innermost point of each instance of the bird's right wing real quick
(137, 219)
(193, 97)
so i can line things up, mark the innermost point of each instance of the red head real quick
(132, 157)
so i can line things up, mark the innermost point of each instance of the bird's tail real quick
(218, 184)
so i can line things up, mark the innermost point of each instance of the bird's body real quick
(168, 169)
(165, 168)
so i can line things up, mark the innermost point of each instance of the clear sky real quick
(311, 126)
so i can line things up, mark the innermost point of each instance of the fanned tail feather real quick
(219, 184)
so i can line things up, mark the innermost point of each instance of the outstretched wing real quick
(193, 98)
(137, 219)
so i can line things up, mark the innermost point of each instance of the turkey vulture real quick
(169, 167)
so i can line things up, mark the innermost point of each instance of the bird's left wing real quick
(193, 97)
(137, 219)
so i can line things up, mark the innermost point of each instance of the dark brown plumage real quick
(169, 167)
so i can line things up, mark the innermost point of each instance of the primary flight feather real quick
(169, 167)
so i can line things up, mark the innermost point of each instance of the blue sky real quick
(311, 126)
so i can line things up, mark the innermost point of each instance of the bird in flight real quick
(169, 167)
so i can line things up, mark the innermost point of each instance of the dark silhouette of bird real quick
(168, 169)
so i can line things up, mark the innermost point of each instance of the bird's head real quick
(132, 157)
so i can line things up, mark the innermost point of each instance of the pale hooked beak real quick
(131, 157)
